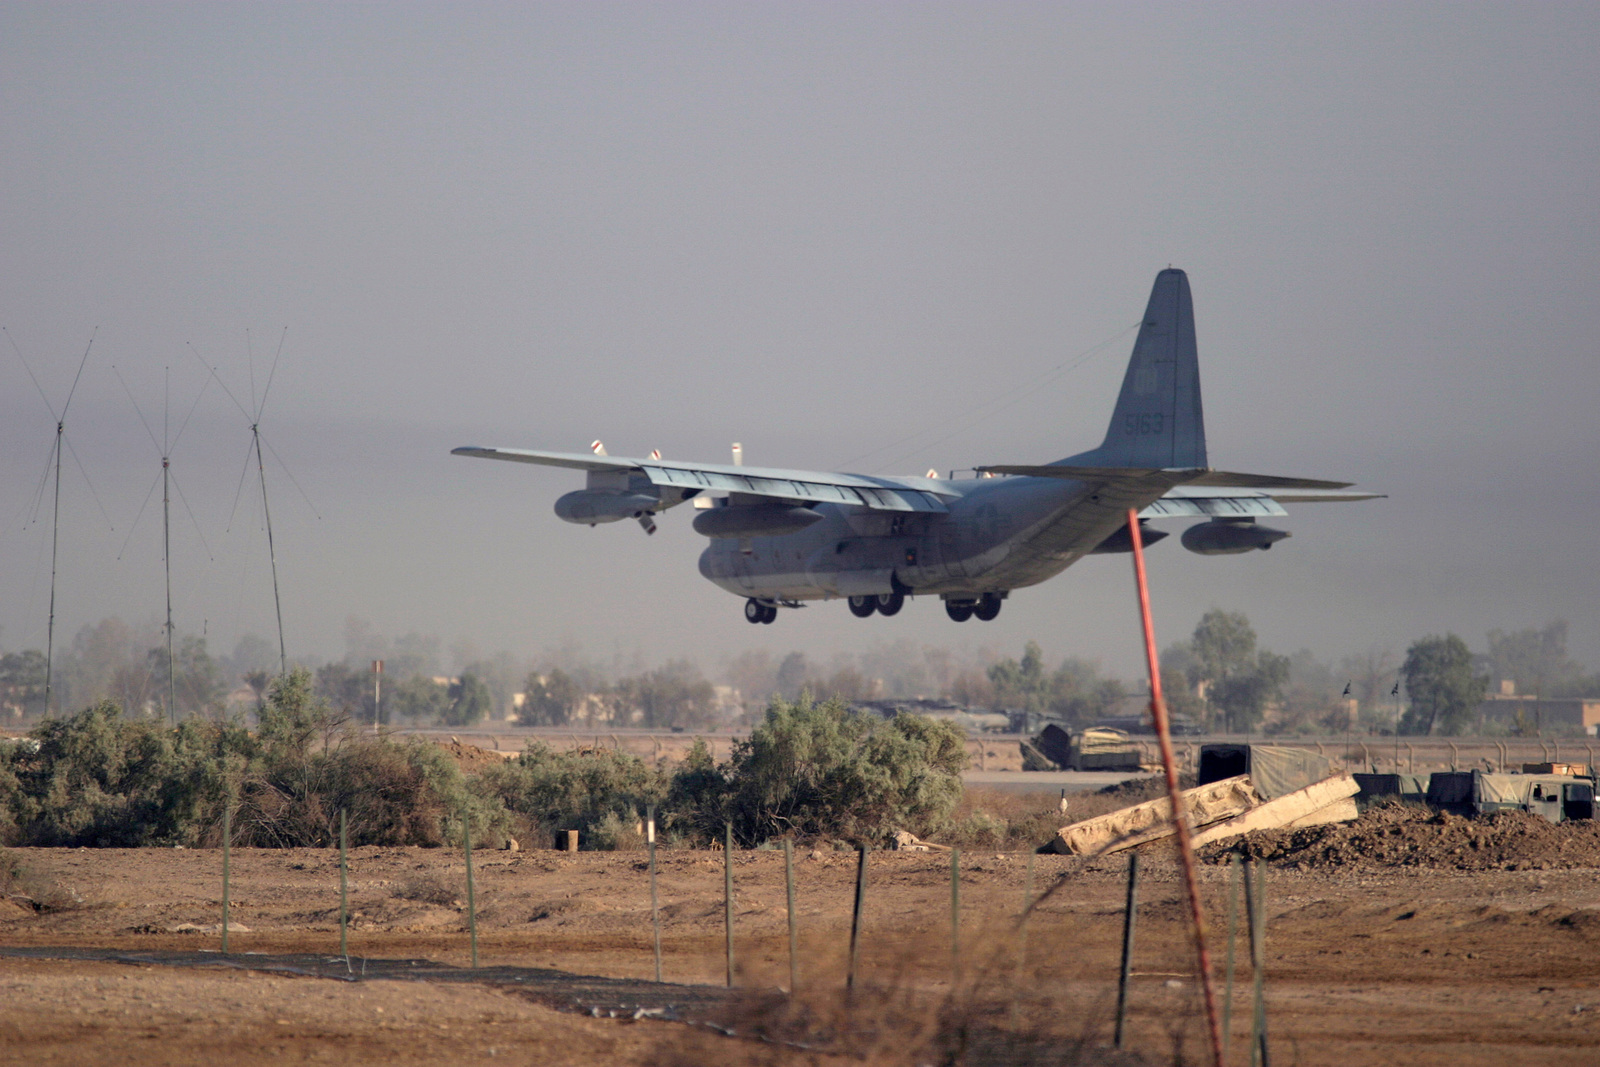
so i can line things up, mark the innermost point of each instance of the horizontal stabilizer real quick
(1263, 481)
(1292, 497)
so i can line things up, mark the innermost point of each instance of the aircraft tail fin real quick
(1158, 421)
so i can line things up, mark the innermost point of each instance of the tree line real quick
(1221, 677)
(807, 771)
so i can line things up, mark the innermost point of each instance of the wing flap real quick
(1227, 479)
(1216, 507)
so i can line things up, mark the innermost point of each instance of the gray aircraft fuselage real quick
(998, 534)
(779, 537)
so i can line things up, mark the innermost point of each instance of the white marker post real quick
(377, 693)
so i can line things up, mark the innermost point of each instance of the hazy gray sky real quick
(846, 235)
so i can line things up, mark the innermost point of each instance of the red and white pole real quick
(1180, 817)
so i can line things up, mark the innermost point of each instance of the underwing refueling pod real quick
(781, 538)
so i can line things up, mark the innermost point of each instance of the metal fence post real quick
(472, 902)
(1130, 910)
(794, 941)
(227, 849)
(1233, 931)
(344, 888)
(1255, 912)
(855, 917)
(727, 893)
(955, 917)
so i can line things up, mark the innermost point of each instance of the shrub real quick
(822, 770)
(613, 833)
(100, 779)
(310, 767)
(582, 790)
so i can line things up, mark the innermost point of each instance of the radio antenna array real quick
(55, 519)
(165, 444)
(253, 414)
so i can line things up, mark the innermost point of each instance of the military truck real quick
(1097, 748)
(1555, 797)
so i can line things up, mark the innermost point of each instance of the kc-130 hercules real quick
(783, 537)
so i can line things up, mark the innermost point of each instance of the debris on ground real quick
(906, 841)
(1152, 820)
(473, 758)
(1397, 835)
(1220, 810)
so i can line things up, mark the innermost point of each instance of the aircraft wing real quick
(878, 494)
(583, 461)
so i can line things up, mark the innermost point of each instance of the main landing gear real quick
(756, 611)
(887, 604)
(986, 607)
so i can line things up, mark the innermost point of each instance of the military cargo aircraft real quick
(780, 538)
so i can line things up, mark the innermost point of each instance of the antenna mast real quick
(164, 445)
(55, 537)
(166, 540)
(166, 552)
(272, 554)
(253, 413)
(55, 521)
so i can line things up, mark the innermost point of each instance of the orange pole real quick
(1158, 713)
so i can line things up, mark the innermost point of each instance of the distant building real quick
(1556, 714)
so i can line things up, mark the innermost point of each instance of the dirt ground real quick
(1370, 960)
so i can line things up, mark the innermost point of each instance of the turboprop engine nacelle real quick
(1227, 537)
(761, 520)
(590, 506)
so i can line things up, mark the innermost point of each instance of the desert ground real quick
(1398, 939)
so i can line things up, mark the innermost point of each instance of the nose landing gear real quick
(863, 606)
(757, 612)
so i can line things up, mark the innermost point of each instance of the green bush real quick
(808, 770)
(583, 790)
(100, 779)
(822, 770)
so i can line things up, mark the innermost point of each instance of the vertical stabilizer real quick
(1158, 421)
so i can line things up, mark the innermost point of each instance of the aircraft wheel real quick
(862, 606)
(771, 614)
(959, 610)
(988, 607)
(755, 611)
(891, 604)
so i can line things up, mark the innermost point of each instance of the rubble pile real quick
(1409, 836)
